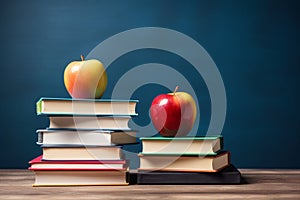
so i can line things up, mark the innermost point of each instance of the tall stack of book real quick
(82, 145)
(185, 160)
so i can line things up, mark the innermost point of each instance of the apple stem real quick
(82, 57)
(176, 88)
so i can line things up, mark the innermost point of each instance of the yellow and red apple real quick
(173, 114)
(85, 79)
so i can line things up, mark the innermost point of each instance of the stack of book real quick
(185, 160)
(82, 145)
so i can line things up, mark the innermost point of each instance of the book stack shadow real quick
(185, 160)
(83, 143)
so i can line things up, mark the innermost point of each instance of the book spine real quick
(38, 107)
(40, 138)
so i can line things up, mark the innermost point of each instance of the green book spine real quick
(39, 107)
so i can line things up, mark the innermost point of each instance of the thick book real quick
(57, 152)
(89, 122)
(182, 145)
(80, 177)
(229, 175)
(39, 164)
(67, 106)
(191, 163)
(85, 137)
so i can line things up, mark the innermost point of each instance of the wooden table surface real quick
(260, 184)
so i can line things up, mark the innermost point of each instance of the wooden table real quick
(261, 184)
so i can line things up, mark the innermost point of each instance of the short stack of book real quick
(83, 143)
(185, 160)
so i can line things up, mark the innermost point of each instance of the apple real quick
(173, 114)
(85, 79)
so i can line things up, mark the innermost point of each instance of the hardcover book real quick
(57, 152)
(229, 175)
(89, 122)
(80, 177)
(67, 106)
(182, 145)
(186, 163)
(39, 164)
(85, 137)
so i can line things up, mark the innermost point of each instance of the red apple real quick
(173, 114)
(86, 79)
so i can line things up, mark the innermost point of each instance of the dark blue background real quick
(255, 45)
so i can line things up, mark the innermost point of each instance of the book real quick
(67, 106)
(57, 152)
(80, 177)
(85, 137)
(89, 122)
(39, 164)
(229, 175)
(182, 145)
(191, 163)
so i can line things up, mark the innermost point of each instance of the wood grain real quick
(260, 184)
